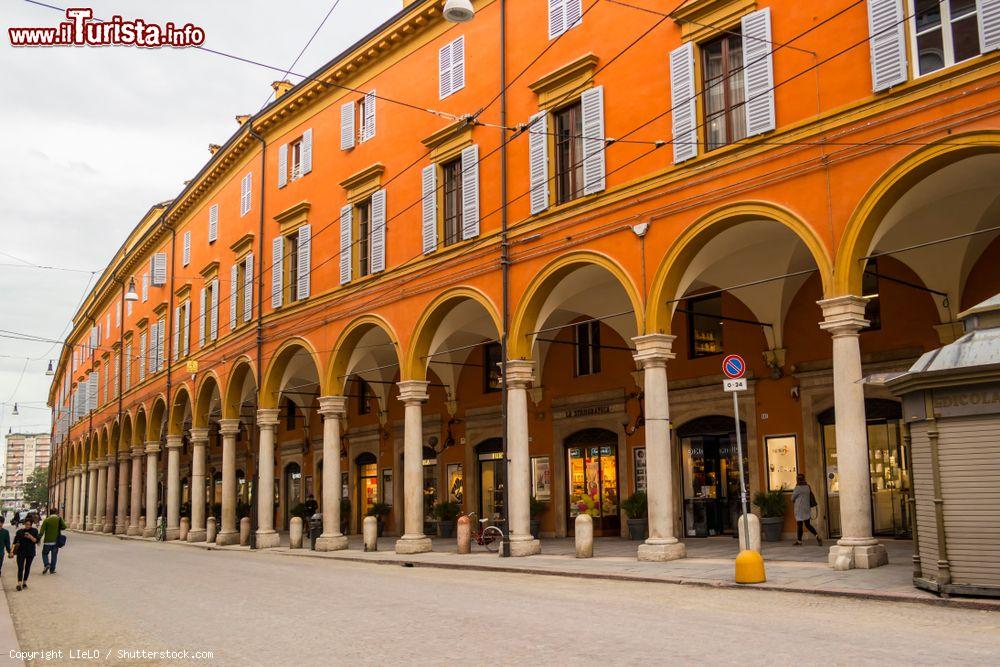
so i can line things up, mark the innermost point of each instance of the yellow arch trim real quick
(525, 317)
(682, 251)
(279, 360)
(199, 411)
(887, 190)
(159, 402)
(175, 425)
(336, 385)
(230, 403)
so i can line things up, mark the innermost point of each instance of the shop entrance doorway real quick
(711, 479)
(367, 483)
(592, 469)
(293, 490)
(492, 477)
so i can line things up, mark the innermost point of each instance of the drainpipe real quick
(90, 436)
(505, 275)
(169, 362)
(252, 481)
(121, 386)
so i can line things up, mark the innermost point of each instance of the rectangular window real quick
(563, 15)
(944, 33)
(206, 319)
(452, 173)
(451, 68)
(295, 160)
(491, 367)
(364, 236)
(587, 339)
(292, 253)
(870, 291)
(366, 117)
(782, 465)
(722, 71)
(246, 193)
(705, 325)
(568, 123)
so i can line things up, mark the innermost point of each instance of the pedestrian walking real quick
(803, 501)
(51, 529)
(24, 548)
(4, 542)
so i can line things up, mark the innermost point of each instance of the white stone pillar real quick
(413, 394)
(199, 440)
(267, 423)
(135, 502)
(652, 353)
(91, 496)
(124, 458)
(333, 408)
(74, 498)
(844, 317)
(230, 534)
(520, 375)
(109, 493)
(152, 478)
(101, 501)
(174, 444)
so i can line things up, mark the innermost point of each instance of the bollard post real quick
(370, 531)
(185, 528)
(464, 533)
(142, 525)
(295, 533)
(754, 532)
(210, 529)
(584, 528)
(245, 531)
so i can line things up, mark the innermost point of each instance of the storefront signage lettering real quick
(587, 412)
(958, 402)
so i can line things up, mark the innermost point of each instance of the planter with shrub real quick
(446, 515)
(636, 509)
(772, 506)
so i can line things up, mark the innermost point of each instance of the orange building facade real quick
(815, 189)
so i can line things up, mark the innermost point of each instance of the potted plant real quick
(772, 506)
(636, 508)
(345, 515)
(446, 514)
(537, 509)
(380, 511)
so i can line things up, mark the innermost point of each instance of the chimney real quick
(214, 148)
(281, 87)
(242, 118)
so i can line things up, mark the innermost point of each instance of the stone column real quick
(123, 472)
(91, 496)
(135, 502)
(101, 493)
(74, 498)
(267, 422)
(652, 353)
(333, 408)
(844, 317)
(109, 494)
(229, 428)
(199, 440)
(413, 394)
(520, 375)
(174, 444)
(152, 477)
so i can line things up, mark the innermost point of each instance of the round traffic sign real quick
(734, 367)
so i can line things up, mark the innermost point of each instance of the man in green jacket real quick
(4, 542)
(51, 529)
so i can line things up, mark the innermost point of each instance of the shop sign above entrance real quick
(734, 367)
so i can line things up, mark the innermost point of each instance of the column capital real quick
(199, 436)
(101, 463)
(175, 441)
(229, 427)
(520, 373)
(333, 406)
(152, 447)
(112, 458)
(138, 450)
(843, 315)
(267, 417)
(413, 391)
(653, 349)
(125, 455)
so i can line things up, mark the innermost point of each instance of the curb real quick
(7, 632)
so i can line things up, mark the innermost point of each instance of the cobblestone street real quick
(260, 608)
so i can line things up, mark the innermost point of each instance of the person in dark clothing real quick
(24, 547)
(4, 542)
(311, 506)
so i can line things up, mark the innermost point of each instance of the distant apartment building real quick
(25, 452)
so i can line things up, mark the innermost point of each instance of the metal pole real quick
(505, 278)
(739, 462)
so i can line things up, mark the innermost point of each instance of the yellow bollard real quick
(750, 568)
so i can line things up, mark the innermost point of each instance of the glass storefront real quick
(492, 475)
(430, 482)
(293, 489)
(592, 469)
(711, 479)
(367, 484)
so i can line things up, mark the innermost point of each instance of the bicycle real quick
(483, 535)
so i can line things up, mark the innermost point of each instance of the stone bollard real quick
(245, 531)
(464, 533)
(210, 529)
(295, 533)
(584, 528)
(185, 528)
(754, 523)
(371, 533)
(142, 525)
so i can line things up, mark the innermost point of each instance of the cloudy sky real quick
(93, 136)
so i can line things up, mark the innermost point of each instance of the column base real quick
(659, 552)
(108, 527)
(133, 531)
(197, 535)
(173, 533)
(864, 557)
(525, 547)
(227, 537)
(122, 528)
(149, 531)
(416, 544)
(331, 542)
(267, 539)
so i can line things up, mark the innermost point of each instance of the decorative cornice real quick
(210, 271)
(244, 245)
(556, 85)
(363, 183)
(293, 216)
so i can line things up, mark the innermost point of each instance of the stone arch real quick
(157, 419)
(295, 359)
(208, 401)
(240, 386)
(103, 443)
(125, 439)
(114, 444)
(181, 409)
(368, 339)
(139, 427)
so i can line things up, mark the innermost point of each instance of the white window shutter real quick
(304, 261)
(142, 356)
(201, 319)
(458, 64)
(161, 332)
(213, 223)
(557, 18)
(128, 366)
(428, 220)
(185, 343)
(160, 269)
(234, 287)
(887, 34)
(369, 127)
(470, 192)
(758, 72)
(118, 314)
(176, 341)
(989, 24)
(347, 131)
(248, 280)
(538, 154)
(118, 375)
(277, 270)
(346, 219)
(307, 151)
(378, 231)
(573, 12)
(186, 254)
(592, 106)
(151, 353)
(682, 101)
(145, 287)
(282, 165)
(444, 71)
(246, 194)
(107, 323)
(215, 309)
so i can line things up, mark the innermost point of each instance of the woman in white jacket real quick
(802, 503)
